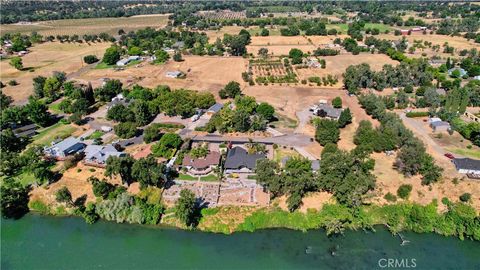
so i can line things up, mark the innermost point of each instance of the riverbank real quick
(461, 220)
(65, 243)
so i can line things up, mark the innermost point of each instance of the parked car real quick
(449, 155)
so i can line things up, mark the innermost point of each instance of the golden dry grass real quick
(336, 65)
(389, 180)
(44, 59)
(89, 26)
(203, 73)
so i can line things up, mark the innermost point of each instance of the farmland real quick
(88, 26)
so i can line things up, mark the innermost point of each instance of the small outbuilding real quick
(215, 108)
(440, 126)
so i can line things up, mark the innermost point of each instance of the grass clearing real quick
(49, 134)
(343, 27)
(89, 26)
(55, 108)
(97, 134)
(103, 65)
(186, 177)
(209, 178)
(281, 153)
(471, 153)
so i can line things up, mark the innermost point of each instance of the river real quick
(45, 242)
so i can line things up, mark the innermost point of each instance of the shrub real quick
(404, 191)
(337, 102)
(390, 197)
(465, 197)
(417, 114)
(12, 83)
(90, 59)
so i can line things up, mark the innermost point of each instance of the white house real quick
(125, 61)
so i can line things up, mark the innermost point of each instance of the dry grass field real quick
(388, 180)
(75, 179)
(458, 43)
(89, 26)
(203, 73)
(280, 45)
(43, 60)
(336, 65)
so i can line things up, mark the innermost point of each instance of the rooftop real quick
(66, 144)
(211, 159)
(329, 110)
(440, 124)
(238, 157)
(100, 153)
(215, 107)
(466, 163)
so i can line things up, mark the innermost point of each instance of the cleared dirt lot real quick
(203, 73)
(89, 26)
(43, 60)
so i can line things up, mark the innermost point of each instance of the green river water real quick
(44, 242)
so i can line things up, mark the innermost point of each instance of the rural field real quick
(44, 59)
(458, 43)
(88, 26)
(336, 65)
(203, 73)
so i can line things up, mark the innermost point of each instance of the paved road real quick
(299, 140)
(303, 119)
(419, 129)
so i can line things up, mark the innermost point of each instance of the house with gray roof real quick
(240, 161)
(214, 108)
(440, 126)
(25, 131)
(64, 148)
(467, 165)
(97, 155)
(327, 111)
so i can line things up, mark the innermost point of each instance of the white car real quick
(195, 117)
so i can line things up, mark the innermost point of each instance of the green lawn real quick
(344, 27)
(209, 178)
(254, 31)
(49, 134)
(55, 108)
(186, 177)
(103, 65)
(471, 153)
(97, 134)
(24, 178)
